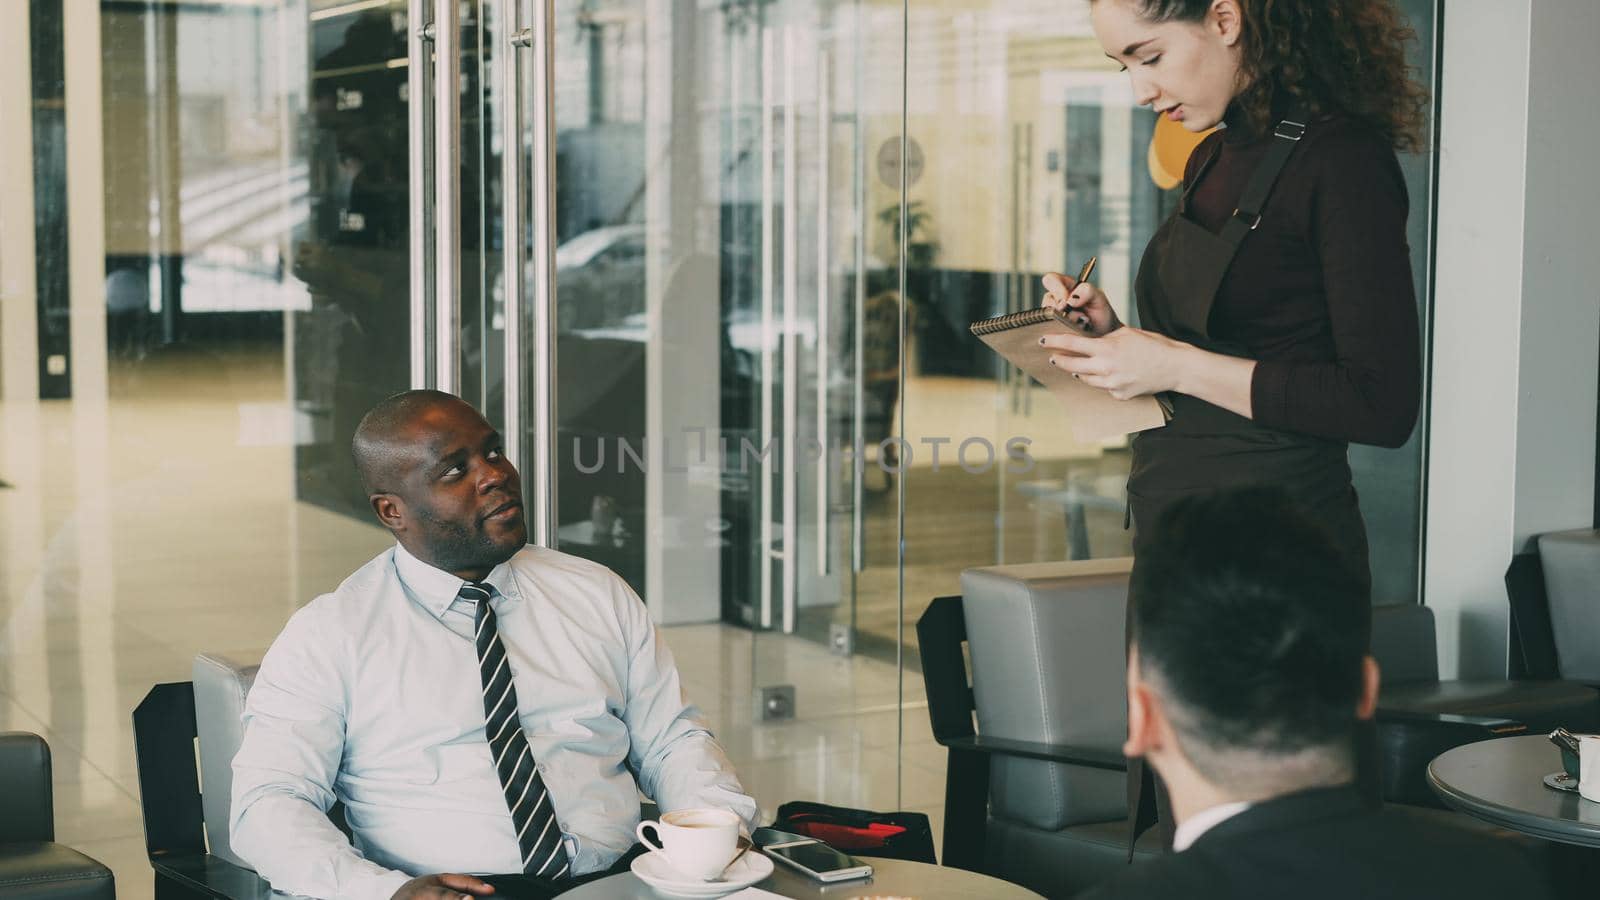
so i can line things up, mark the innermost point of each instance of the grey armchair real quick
(32, 864)
(1035, 790)
(1035, 784)
(1420, 716)
(1571, 564)
(186, 831)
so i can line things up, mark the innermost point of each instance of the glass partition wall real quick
(726, 333)
(709, 264)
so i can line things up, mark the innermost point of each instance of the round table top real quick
(1502, 781)
(890, 878)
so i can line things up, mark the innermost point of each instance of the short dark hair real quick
(375, 447)
(1252, 622)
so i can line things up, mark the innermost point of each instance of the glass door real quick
(350, 250)
(402, 194)
(712, 275)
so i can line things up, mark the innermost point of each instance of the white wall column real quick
(19, 330)
(683, 572)
(1516, 338)
(86, 204)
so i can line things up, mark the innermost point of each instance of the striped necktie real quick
(538, 836)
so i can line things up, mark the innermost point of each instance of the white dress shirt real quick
(372, 696)
(1190, 829)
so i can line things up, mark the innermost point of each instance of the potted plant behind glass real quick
(922, 249)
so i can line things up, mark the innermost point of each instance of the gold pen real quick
(1083, 275)
(1087, 270)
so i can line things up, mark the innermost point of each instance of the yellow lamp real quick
(1170, 148)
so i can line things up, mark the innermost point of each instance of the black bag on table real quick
(858, 832)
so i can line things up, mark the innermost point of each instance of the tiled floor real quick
(139, 533)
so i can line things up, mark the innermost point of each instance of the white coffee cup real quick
(1589, 766)
(697, 842)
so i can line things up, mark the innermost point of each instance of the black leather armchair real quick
(1420, 716)
(185, 829)
(32, 864)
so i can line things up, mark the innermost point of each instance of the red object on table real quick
(847, 837)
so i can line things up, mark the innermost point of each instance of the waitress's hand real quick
(1083, 304)
(1126, 363)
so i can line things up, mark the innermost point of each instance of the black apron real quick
(1205, 448)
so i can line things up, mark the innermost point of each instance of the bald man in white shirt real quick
(477, 704)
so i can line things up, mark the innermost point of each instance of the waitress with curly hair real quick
(1277, 304)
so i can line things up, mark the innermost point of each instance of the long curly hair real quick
(1321, 56)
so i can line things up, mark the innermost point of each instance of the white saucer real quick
(1561, 781)
(654, 870)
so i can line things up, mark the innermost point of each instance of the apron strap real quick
(1245, 219)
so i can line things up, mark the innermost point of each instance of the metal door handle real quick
(542, 302)
(418, 84)
(511, 258)
(768, 269)
(446, 193)
(791, 337)
(533, 307)
(824, 466)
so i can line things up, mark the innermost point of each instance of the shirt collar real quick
(436, 589)
(1190, 829)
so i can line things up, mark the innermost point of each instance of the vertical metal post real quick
(418, 139)
(1025, 211)
(824, 211)
(541, 306)
(791, 334)
(511, 189)
(858, 389)
(447, 193)
(769, 334)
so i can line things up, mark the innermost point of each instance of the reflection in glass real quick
(727, 343)
(707, 270)
(351, 251)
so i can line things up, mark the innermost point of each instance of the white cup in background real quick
(697, 842)
(1589, 766)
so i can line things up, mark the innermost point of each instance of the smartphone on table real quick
(816, 859)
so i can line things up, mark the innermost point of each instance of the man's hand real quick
(443, 887)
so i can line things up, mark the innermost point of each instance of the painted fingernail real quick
(1074, 374)
(1041, 342)
(1052, 360)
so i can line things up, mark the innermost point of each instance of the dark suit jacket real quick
(1329, 843)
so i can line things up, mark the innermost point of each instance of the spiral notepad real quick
(1094, 414)
(1036, 316)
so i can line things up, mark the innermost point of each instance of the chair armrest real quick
(1408, 740)
(1486, 726)
(202, 875)
(25, 785)
(1057, 753)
